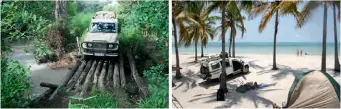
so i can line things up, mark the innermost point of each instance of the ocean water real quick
(313, 48)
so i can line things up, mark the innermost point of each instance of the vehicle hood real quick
(109, 37)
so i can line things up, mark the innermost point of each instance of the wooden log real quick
(41, 99)
(83, 75)
(109, 77)
(75, 77)
(97, 72)
(87, 82)
(49, 85)
(66, 78)
(122, 73)
(102, 75)
(116, 77)
(142, 88)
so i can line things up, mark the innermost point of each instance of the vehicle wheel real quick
(246, 69)
(86, 57)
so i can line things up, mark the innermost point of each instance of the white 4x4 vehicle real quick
(101, 39)
(212, 68)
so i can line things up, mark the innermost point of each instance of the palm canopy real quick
(234, 20)
(196, 24)
(270, 9)
(312, 6)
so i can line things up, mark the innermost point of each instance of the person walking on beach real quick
(301, 52)
(298, 53)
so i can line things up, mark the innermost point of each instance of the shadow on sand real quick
(282, 71)
(189, 80)
(233, 98)
(213, 82)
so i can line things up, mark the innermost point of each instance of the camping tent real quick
(314, 89)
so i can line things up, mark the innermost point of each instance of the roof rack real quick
(104, 15)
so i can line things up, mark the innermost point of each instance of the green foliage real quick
(14, 84)
(79, 23)
(99, 99)
(158, 88)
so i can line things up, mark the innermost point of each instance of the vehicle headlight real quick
(111, 45)
(89, 44)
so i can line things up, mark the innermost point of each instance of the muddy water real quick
(39, 72)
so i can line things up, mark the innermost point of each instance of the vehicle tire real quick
(86, 57)
(246, 69)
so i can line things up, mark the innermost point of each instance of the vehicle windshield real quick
(100, 27)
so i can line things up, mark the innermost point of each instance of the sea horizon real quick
(311, 48)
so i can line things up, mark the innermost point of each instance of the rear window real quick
(215, 65)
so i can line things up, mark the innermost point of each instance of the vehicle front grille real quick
(99, 45)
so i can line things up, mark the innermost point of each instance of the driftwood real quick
(87, 82)
(122, 75)
(75, 76)
(102, 75)
(116, 77)
(110, 73)
(49, 85)
(84, 73)
(66, 79)
(136, 77)
(97, 72)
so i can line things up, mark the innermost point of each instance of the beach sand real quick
(193, 92)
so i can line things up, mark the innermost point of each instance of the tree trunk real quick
(60, 9)
(74, 78)
(177, 70)
(116, 77)
(234, 47)
(336, 52)
(48, 85)
(323, 64)
(223, 69)
(83, 75)
(122, 73)
(87, 81)
(102, 76)
(274, 67)
(196, 51)
(202, 50)
(230, 45)
(143, 89)
(66, 79)
(97, 72)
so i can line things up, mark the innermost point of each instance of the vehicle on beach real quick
(211, 68)
(102, 37)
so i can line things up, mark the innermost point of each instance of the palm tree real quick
(234, 21)
(336, 56)
(221, 5)
(176, 11)
(198, 25)
(310, 7)
(275, 8)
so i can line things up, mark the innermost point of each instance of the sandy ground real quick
(193, 92)
(39, 72)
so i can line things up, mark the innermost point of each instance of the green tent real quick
(314, 89)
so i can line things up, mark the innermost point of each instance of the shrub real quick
(100, 99)
(14, 85)
(158, 88)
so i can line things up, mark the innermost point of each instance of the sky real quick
(287, 31)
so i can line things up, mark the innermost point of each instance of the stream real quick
(39, 72)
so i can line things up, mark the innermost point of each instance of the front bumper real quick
(100, 49)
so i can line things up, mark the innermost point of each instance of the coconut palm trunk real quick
(323, 64)
(234, 47)
(336, 52)
(177, 70)
(230, 45)
(275, 38)
(223, 70)
(196, 51)
(202, 50)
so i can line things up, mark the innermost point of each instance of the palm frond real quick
(267, 16)
(308, 9)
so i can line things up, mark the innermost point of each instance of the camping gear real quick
(314, 89)
(247, 86)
